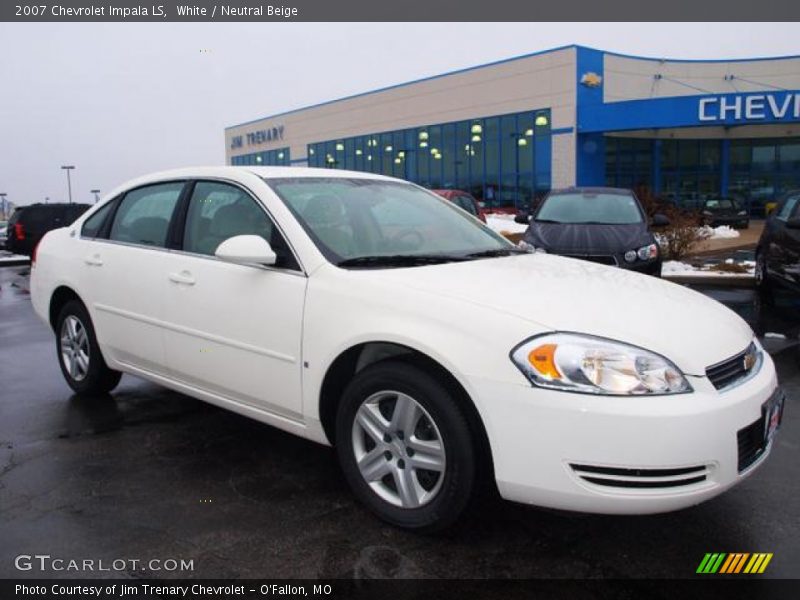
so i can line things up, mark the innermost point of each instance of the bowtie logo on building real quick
(591, 79)
(734, 563)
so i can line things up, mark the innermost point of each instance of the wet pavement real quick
(148, 473)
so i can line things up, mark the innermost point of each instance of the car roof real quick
(234, 172)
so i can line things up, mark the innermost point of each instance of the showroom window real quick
(494, 158)
(267, 158)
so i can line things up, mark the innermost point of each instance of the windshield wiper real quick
(399, 260)
(496, 252)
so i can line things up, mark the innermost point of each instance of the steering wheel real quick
(414, 238)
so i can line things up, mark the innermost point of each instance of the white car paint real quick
(259, 341)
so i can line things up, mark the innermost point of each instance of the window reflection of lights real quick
(434, 151)
(369, 157)
(339, 147)
(280, 155)
(397, 161)
(437, 156)
(476, 128)
(529, 132)
(423, 135)
(358, 152)
(522, 142)
(423, 144)
(311, 151)
(401, 154)
(541, 120)
(476, 138)
(258, 158)
(388, 148)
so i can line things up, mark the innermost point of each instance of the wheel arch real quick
(355, 358)
(60, 296)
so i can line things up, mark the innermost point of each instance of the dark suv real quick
(29, 223)
(778, 251)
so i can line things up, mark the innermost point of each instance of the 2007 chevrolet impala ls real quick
(368, 313)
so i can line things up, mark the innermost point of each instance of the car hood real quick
(560, 294)
(581, 238)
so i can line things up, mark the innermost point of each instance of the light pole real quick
(96, 195)
(68, 168)
(3, 204)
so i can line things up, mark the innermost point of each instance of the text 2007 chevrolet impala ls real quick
(368, 313)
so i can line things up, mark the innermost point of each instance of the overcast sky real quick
(119, 100)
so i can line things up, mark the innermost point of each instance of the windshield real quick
(721, 203)
(590, 207)
(355, 219)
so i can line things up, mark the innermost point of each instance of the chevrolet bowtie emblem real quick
(591, 79)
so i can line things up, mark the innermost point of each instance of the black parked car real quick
(603, 225)
(778, 250)
(725, 211)
(29, 223)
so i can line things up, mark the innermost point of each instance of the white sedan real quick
(368, 313)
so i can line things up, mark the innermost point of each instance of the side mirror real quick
(660, 220)
(522, 218)
(793, 223)
(246, 249)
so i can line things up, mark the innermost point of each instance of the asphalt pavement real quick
(147, 473)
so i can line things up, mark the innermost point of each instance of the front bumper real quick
(614, 455)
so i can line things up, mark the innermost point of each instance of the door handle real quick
(93, 261)
(183, 277)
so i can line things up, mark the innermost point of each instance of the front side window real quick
(363, 218)
(218, 211)
(590, 207)
(144, 214)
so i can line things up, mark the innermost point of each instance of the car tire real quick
(79, 355)
(383, 460)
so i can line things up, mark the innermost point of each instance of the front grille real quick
(641, 478)
(730, 371)
(601, 259)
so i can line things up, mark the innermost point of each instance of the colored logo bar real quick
(734, 562)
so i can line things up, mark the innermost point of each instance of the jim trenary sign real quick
(749, 107)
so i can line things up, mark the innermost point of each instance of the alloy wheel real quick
(75, 348)
(398, 449)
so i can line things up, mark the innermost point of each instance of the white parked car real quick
(365, 312)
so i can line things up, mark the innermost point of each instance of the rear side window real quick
(94, 224)
(144, 214)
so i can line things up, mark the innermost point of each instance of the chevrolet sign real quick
(749, 107)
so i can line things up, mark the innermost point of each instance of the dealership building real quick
(512, 129)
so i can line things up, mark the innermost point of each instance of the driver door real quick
(234, 330)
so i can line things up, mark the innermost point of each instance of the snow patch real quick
(503, 223)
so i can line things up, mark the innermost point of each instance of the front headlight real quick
(647, 252)
(742, 213)
(594, 365)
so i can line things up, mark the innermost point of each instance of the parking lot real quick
(149, 473)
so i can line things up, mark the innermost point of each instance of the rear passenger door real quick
(233, 330)
(124, 277)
